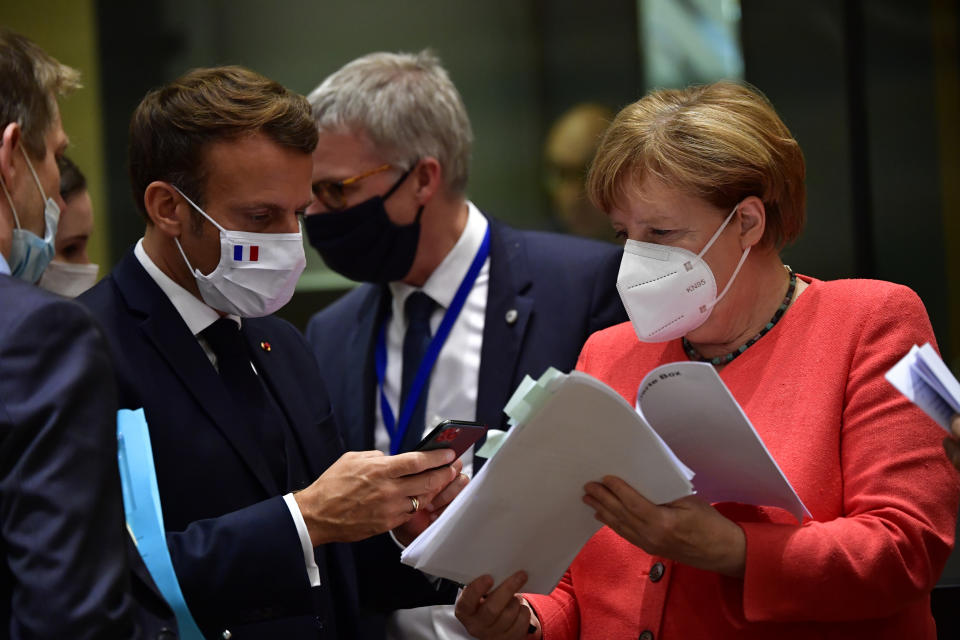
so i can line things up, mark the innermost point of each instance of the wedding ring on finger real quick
(414, 504)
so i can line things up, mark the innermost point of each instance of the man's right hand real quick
(366, 493)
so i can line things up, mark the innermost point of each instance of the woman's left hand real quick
(687, 530)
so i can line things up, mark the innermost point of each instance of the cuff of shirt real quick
(399, 544)
(313, 571)
(432, 579)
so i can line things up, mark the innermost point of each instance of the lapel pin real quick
(511, 316)
(265, 345)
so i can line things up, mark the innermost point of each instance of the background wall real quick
(67, 29)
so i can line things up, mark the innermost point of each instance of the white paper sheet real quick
(927, 382)
(524, 509)
(700, 421)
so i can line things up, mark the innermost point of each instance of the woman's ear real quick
(162, 202)
(752, 220)
(428, 177)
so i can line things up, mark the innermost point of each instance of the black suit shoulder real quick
(570, 274)
(347, 307)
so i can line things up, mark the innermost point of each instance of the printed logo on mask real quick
(696, 285)
(246, 253)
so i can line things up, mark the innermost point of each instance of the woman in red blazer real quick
(707, 185)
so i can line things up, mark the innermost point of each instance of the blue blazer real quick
(548, 292)
(66, 570)
(233, 543)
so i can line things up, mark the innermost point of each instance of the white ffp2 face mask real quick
(668, 291)
(257, 272)
(68, 279)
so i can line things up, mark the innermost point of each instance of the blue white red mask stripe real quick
(246, 252)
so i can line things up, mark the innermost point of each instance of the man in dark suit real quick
(458, 307)
(66, 570)
(257, 496)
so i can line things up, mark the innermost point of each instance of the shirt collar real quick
(443, 283)
(4, 267)
(195, 313)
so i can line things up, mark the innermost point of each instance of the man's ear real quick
(753, 221)
(428, 178)
(11, 137)
(165, 208)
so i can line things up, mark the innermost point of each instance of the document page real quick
(524, 509)
(925, 380)
(699, 419)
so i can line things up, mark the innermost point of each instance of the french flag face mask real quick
(257, 272)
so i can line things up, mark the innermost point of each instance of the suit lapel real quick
(165, 329)
(359, 378)
(509, 307)
(268, 357)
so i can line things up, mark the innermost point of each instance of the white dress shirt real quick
(452, 393)
(4, 267)
(197, 315)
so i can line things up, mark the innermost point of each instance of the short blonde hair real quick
(720, 142)
(30, 81)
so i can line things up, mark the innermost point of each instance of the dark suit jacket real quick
(233, 543)
(66, 572)
(548, 293)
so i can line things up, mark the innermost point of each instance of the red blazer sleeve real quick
(558, 611)
(899, 497)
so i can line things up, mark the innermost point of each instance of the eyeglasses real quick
(331, 193)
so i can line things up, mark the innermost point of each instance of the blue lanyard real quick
(396, 430)
(141, 503)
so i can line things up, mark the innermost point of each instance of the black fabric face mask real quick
(362, 243)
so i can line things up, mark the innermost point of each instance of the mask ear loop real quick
(196, 272)
(716, 234)
(733, 277)
(34, 172)
(396, 185)
(195, 206)
(743, 258)
(16, 218)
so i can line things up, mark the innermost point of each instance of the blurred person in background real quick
(571, 142)
(70, 273)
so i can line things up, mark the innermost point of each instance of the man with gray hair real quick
(457, 307)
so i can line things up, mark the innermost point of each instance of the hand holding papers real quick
(524, 510)
(922, 376)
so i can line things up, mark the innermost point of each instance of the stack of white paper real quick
(524, 509)
(922, 376)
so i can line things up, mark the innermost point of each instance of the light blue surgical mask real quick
(30, 254)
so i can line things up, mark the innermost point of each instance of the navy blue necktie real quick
(418, 309)
(248, 392)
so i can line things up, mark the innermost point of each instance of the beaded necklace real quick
(693, 354)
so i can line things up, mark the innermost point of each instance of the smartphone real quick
(458, 435)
